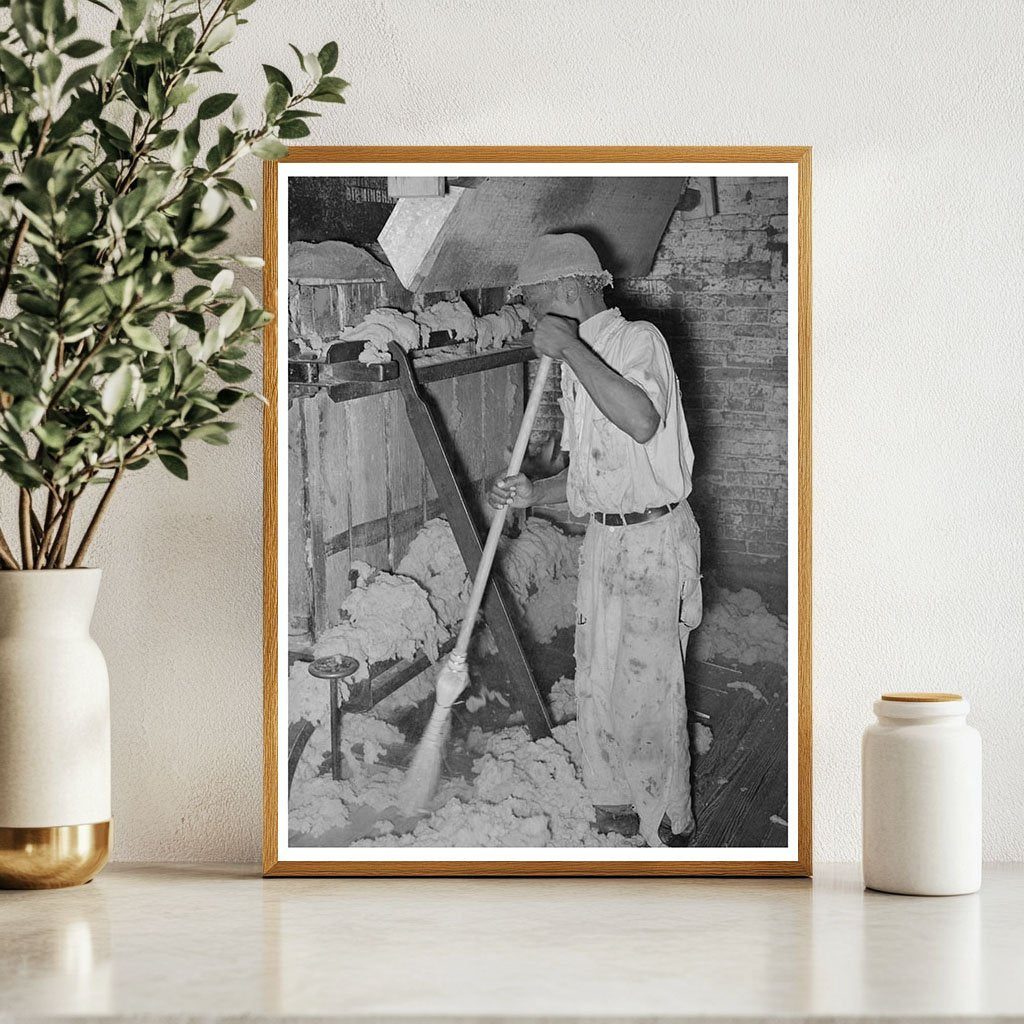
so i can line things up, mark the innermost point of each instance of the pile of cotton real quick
(737, 626)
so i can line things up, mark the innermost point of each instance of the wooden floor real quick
(741, 782)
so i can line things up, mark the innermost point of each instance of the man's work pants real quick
(639, 596)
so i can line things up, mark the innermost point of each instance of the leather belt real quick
(631, 518)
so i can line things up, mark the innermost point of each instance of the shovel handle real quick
(483, 571)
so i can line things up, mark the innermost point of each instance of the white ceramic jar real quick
(921, 778)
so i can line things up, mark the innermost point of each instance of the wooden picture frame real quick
(794, 162)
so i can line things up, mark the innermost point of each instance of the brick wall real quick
(718, 291)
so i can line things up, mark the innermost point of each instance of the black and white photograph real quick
(537, 516)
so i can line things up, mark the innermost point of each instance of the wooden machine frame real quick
(272, 865)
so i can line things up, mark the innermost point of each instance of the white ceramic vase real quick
(921, 773)
(54, 731)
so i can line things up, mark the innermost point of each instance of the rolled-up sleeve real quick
(648, 365)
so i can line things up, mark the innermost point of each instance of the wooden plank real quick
(440, 397)
(334, 511)
(306, 320)
(293, 311)
(325, 309)
(741, 781)
(272, 641)
(298, 736)
(299, 583)
(451, 414)
(515, 401)
(400, 538)
(745, 789)
(469, 440)
(312, 524)
(495, 419)
(502, 404)
(398, 524)
(367, 468)
(405, 479)
(353, 300)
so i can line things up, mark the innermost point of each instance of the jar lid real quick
(921, 705)
(921, 698)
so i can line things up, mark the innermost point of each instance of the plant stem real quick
(19, 234)
(25, 522)
(54, 509)
(60, 543)
(90, 531)
(127, 176)
(6, 554)
(51, 509)
(12, 255)
(84, 360)
(37, 529)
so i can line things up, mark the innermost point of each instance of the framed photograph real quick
(538, 511)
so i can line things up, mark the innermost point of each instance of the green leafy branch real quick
(116, 194)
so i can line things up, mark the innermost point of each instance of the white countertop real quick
(180, 941)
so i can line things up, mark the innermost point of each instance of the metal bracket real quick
(343, 377)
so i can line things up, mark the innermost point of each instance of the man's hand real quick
(517, 491)
(554, 334)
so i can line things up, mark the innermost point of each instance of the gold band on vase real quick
(52, 857)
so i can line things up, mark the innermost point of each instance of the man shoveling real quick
(639, 596)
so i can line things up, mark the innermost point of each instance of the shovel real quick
(425, 770)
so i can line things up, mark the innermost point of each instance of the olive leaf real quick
(116, 390)
(125, 332)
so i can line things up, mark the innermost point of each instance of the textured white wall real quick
(914, 113)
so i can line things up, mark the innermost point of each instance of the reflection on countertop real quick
(180, 941)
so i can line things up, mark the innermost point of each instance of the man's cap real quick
(551, 257)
